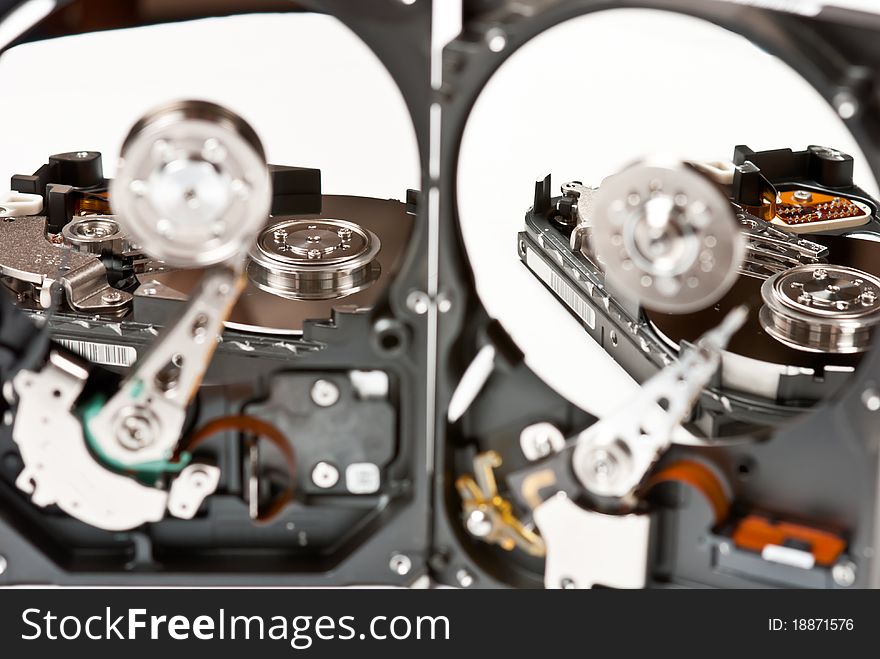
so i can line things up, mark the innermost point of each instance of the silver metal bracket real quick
(612, 456)
(28, 256)
(59, 468)
(142, 422)
(585, 548)
(583, 213)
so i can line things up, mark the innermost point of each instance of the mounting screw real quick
(846, 104)
(324, 393)
(199, 478)
(496, 39)
(135, 431)
(604, 465)
(444, 303)
(400, 564)
(325, 475)
(724, 549)
(540, 440)
(3, 564)
(199, 328)
(464, 578)
(418, 302)
(213, 151)
(844, 574)
(871, 399)
(478, 523)
(110, 297)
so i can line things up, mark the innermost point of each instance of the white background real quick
(315, 94)
(579, 101)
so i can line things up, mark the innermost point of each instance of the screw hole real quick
(390, 336)
(390, 341)
(745, 468)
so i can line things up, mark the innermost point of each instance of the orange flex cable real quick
(699, 477)
(262, 430)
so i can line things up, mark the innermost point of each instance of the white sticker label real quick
(562, 288)
(362, 478)
(102, 353)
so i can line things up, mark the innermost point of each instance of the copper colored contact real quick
(700, 478)
(817, 208)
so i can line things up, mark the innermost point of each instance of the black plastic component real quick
(324, 433)
(16, 333)
(21, 344)
(120, 271)
(750, 185)
(825, 166)
(80, 169)
(34, 184)
(413, 199)
(542, 195)
(60, 206)
(565, 207)
(295, 190)
(831, 167)
(504, 343)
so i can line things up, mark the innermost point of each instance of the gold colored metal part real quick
(93, 204)
(767, 210)
(479, 494)
(534, 483)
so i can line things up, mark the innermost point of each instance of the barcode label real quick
(562, 288)
(102, 353)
